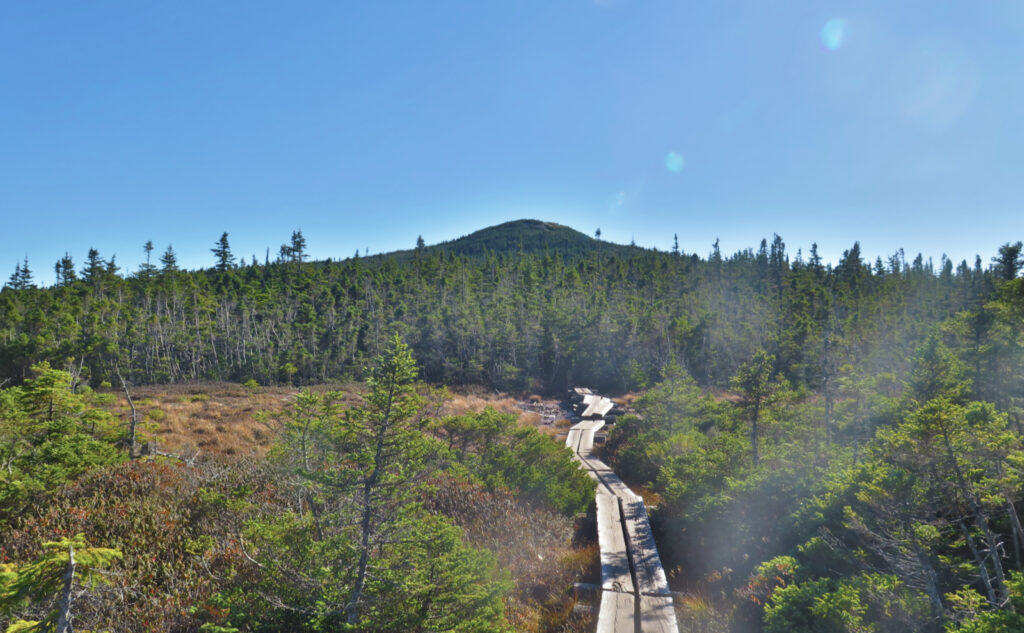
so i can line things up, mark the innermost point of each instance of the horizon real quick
(932, 262)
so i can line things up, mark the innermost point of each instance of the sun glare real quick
(833, 34)
(674, 162)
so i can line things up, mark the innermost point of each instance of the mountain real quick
(528, 236)
(518, 236)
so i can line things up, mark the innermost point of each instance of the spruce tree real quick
(298, 247)
(94, 266)
(14, 281)
(1008, 263)
(147, 269)
(65, 270)
(222, 252)
(169, 260)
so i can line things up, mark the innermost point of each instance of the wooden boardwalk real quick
(635, 597)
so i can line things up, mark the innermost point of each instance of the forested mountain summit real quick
(517, 236)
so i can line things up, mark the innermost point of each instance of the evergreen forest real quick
(824, 446)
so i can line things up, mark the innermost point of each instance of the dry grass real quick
(475, 400)
(222, 418)
(723, 395)
(212, 417)
(650, 497)
(626, 399)
(534, 545)
(461, 404)
(699, 613)
(530, 418)
(550, 431)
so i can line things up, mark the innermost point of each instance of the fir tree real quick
(222, 253)
(147, 269)
(94, 267)
(169, 260)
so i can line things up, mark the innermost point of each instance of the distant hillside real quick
(518, 236)
(528, 236)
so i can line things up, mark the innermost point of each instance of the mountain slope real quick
(528, 236)
(518, 236)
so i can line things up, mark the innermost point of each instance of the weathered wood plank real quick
(596, 407)
(657, 615)
(617, 613)
(615, 574)
(650, 575)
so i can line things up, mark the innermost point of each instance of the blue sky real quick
(368, 124)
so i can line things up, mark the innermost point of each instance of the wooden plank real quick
(617, 613)
(596, 407)
(599, 408)
(658, 615)
(572, 439)
(588, 429)
(615, 574)
(650, 575)
(610, 480)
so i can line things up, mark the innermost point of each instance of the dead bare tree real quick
(64, 606)
(133, 423)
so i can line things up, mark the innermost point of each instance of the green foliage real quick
(909, 518)
(758, 390)
(428, 580)
(520, 306)
(971, 615)
(50, 435)
(676, 414)
(492, 450)
(937, 373)
(866, 603)
(40, 581)
(360, 552)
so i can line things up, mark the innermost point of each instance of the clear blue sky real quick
(368, 124)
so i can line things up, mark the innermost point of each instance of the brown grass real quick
(723, 395)
(550, 431)
(702, 614)
(650, 497)
(474, 400)
(529, 418)
(461, 404)
(626, 399)
(534, 545)
(211, 417)
(221, 418)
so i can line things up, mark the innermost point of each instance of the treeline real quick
(887, 498)
(612, 318)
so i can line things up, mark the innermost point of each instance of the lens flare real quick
(674, 162)
(833, 34)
